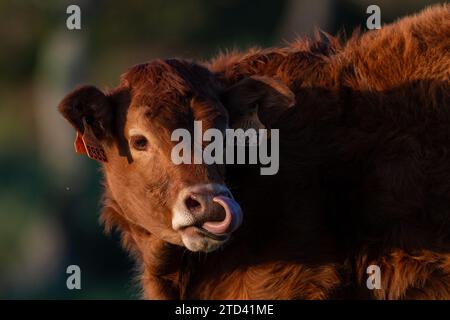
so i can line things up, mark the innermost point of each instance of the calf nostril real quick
(192, 204)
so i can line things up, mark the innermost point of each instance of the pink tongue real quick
(233, 217)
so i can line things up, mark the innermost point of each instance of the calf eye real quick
(139, 143)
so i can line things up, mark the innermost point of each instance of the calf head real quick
(129, 130)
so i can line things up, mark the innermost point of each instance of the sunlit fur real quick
(365, 153)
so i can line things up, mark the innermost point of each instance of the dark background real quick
(49, 196)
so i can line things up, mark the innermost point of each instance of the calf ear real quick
(89, 111)
(257, 102)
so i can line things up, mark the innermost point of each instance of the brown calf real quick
(364, 168)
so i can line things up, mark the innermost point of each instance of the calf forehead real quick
(159, 117)
(162, 95)
(165, 96)
(166, 79)
(158, 93)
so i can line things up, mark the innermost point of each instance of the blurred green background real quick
(49, 196)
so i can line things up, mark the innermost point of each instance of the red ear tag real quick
(87, 143)
(79, 145)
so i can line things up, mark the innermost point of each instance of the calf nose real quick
(202, 206)
(192, 203)
(210, 207)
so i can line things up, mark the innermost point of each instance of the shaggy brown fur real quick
(364, 167)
